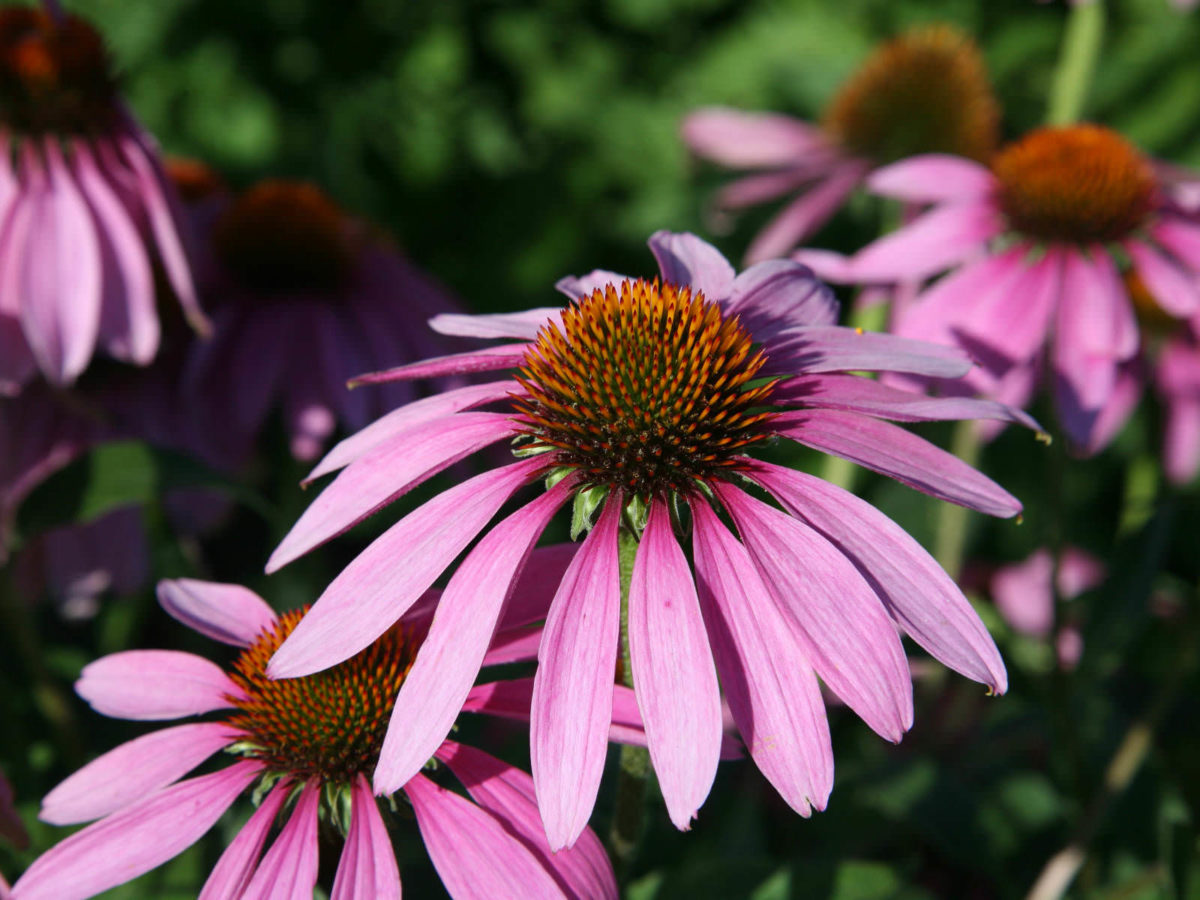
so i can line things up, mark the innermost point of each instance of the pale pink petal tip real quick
(155, 684)
(228, 613)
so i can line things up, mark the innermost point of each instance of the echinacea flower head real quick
(304, 748)
(303, 298)
(1038, 244)
(643, 405)
(925, 91)
(86, 209)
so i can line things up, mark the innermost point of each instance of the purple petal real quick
(1174, 289)
(673, 672)
(228, 613)
(367, 869)
(476, 857)
(489, 359)
(387, 472)
(133, 771)
(772, 690)
(155, 684)
(507, 793)
(913, 588)
(573, 687)
(892, 451)
(233, 870)
(452, 653)
(803, 216)
(578, 287)
(686, 260)
(933, 178)
(780, 294)
(135, 840)
(289, 870)
(522, 326)
(932, 242)
(834, 349)
(383, 581)
(513, 699)
(837, 618)
(740, 139)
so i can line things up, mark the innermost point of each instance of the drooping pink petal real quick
(228, 613)
(233, 870)
(476, 857)
(852, 393)
(452, 653)
(771, 688)
(780, 294)
(1181, 441)
(808, 212)
(763, 187)
(409, 416)
(914, 589)
(740, 139)
(686, 260)
(367, 869)
(836, 349)
(394, 571)
(930, 243)
(674, 676)
(1181, 237)
(135, 840)
(1173, 288)
(1090, 332)
(289, 870)
(133, 771)
(523, 326)
(842, 628)
(933, 178)
(578, 286)
(1124, 399)
(147, 685)
(899, 454)
(489, 359)
(513, 699)
(584, 870)
(573, 687)
(387, 472)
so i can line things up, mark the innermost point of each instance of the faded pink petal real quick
(933, 178)
(1181, 443)
(740, 139)
(232, 873)
(685, 259)
(930, 243)
(155, 684)
(289, 870)
(835, 349)
(803, 216)
(490, 359)
(1174, 289)
(576, 287)
(780, 294)
(1181, 237)
(367, 869)
(523, 325)
(228, 613)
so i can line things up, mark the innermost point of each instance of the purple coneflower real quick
(305, 747)
(923, 92)
(643, 404)
(82, 198)
(304, 297)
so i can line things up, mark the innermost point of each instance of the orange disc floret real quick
(926, 91)
(645, 388)
(1081, 183)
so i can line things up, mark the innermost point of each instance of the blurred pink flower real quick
(642, 403)
(306, 744)
(83, 198)
(1030, 243)
(303, 297)
(923, 92)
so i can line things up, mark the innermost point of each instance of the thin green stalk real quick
(626, 828)
(950, 542)
(1077, 59)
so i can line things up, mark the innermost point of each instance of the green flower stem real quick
(1076, 63)
(626, 828)
(950, 542)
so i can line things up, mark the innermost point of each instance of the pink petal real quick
(1014, 317)
(513, 699)
(834, 349)
(1181, 442)
(135, 840)
(853, 393)
(383, 581)
(232, 873)
(932, 242)
(772, 690)
(1124, 399)
(228, 613)
(899, 454)
(577, 287)
(489, 359)
(842, 629)
(914, 589)
(1024, 594)
(133, 771)
(1181, 237)
(537, 584)
(933, 178)
(808, 212)
(155, 684)
(1079, 571)
(573, 687)
(367, 869)
(475, 855)
(673, 672)
(522, 326)
(1173, 288)
(766, 186)
(750, 140)
(507, 793)
(685, 259)
(385, 473)
(401, 420)
(289, 870)
(452, 653)
(514, 645)
(1095, 319)
(780, 294)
